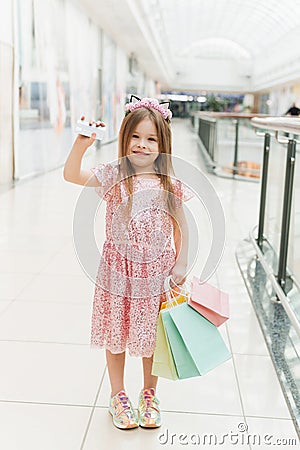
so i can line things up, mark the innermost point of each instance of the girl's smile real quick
(141, 152)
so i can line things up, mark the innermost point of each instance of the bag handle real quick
(170, 292)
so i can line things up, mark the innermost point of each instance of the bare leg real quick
(150, 381)
(115, 365)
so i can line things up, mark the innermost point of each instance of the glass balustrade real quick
(269, 259)
(230, 147)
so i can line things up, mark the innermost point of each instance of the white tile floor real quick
(54, 389)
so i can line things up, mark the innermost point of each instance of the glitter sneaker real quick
(149, 412)
(122, 412)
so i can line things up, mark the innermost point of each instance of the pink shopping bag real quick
(210, 302)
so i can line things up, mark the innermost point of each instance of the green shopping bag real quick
(184, 363)
(196, 344)
(163, 363)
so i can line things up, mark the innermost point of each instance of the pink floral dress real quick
(138, 254)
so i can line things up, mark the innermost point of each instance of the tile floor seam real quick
(82, 303)
(250, 416)
(93, 410)
(26, 285)
(14, 273)
(185, 412)
(71, 405)
(250, 354)
(51, 257)
(236, 374)
(87, 345)
(215, 414)
(277, 378)
(44, 342)
(3, 311)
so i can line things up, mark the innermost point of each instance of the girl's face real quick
(143, 145)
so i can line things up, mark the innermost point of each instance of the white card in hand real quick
(86, 130)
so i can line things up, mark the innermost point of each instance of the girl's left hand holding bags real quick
(178, 273)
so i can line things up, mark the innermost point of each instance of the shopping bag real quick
(163, 363)
(209, 301)
(189, 341)
(196, 344)
(185, 366)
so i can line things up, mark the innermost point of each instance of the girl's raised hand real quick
(85, 140)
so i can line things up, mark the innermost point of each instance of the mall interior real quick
(230, 72)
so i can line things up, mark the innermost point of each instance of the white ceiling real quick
(174, 40)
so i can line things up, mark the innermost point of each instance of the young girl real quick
(146, 240)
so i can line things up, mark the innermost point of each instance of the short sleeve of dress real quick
(182, 193)
(106, 175)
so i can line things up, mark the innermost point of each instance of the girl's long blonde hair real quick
(162, 165)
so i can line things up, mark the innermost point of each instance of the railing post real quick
(286, 212)
(212, 127)
(199, 127)
(236, 147)
(263, 190)
(210, 149)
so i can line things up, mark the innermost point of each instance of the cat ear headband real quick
(150, 103)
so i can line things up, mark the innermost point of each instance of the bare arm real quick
(72, 169)
(181, 240)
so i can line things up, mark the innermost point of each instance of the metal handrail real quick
(207, 118)
(226, 115)
(286, 124)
